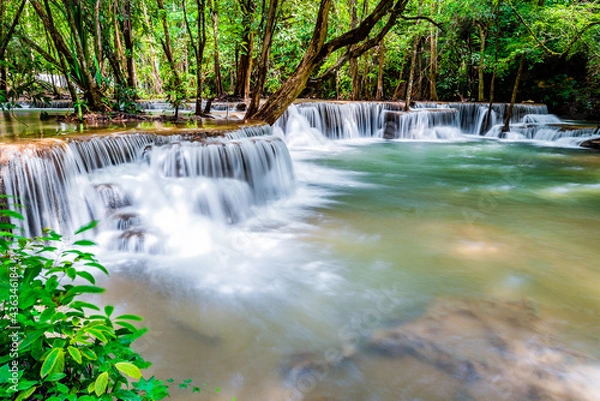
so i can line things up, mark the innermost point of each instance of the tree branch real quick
(542, 45)
(355, 52)
(407, 18)
(11, 30)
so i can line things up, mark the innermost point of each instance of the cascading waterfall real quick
(263, 163)
(472, 116)
(64, 185)
(314, 123)
(422, 124)
(340, 120)
(52, 104)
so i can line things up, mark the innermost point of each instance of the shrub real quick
(55, 346)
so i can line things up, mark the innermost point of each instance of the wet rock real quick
(592, 143)
(139, 241)
(497, 350)
(304, 363)
(241, 107)
(124, 221)
(311, 364)
(113, 196)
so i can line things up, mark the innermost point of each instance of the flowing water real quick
(320, 261)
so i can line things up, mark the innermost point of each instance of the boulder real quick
(496, 350)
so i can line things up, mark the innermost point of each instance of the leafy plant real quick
(55, 346)
(125, 100)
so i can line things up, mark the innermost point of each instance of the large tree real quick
(318, 50)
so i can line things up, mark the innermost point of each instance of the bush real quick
(55, 346)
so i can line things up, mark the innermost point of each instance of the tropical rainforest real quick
(106, 54)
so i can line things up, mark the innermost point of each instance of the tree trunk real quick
(118, 42)
(5, 37)
(157, 81)
(318, 51)
(244, 69)
(413, 61)
(198, 44)
(98, 42)
(215, 20)
(129, 50)
(400, 86)
(79, 60)
(411, 74)
(70, 87)
(513, 98)
(355, 94)
(166, 44)
(481, 87)
(433, 68)
(488, 117)
(379, 93)
(264, 58)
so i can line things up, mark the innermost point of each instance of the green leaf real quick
(101, 383)
(30, 338)
(82, 289)
(71, 273)
(81, 304)
(127, 326)
(98, 334)
(53, 361)
(10, 213)
(98, 266)
(87, 276)
(75, 354)
(129, 369)
(86, 227)
(88, 354)
(91, 387)
(84, 242)
(108, 309)
(53, 377)
(129, 317)
(25, 394)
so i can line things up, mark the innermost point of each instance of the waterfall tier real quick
(311, 123)
(64, 184)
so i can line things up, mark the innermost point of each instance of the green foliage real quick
(543, 30)
(55, 345)
(125, 100)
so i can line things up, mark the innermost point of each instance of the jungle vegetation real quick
(107, 54)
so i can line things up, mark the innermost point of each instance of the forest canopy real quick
(108, 54)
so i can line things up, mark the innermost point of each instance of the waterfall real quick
(472, 116)
(340, 120)
(264, 163)
(552, 132)
(65, 184)
(52, 104)
(41, 176)
(422, 124)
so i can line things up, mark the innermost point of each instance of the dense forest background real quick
(107, 54)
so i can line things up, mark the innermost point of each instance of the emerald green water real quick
(454, 243)
(481, 219)
(377, 233)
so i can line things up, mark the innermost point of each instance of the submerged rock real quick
(124, 221)
(498, 351)
(592, 143)
(113, 196)
(297, 367)
(139, 241)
